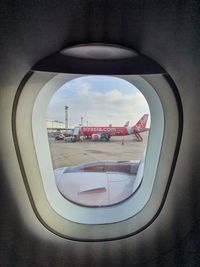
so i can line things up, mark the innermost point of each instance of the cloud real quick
(98, 107)
(82, 87)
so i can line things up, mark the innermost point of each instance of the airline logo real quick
(142, 123)
(99, 129)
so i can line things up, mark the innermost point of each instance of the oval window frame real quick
(94, 229)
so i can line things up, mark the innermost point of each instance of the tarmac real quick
(118, 148)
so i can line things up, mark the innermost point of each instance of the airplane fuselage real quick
(112, 131)
(105, 132)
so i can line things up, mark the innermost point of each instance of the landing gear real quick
(105, 136)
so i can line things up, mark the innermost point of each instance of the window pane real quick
(98, 132)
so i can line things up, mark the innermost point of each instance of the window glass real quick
(98, 130)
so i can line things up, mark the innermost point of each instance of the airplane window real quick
(95, 163)
(98, 129)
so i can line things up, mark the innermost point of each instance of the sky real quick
(100, 100)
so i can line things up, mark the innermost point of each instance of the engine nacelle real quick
(96, 137)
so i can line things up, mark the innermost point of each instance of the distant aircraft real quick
(105, 132)
(126, 124)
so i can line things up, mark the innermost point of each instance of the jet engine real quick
(96, 137)
(101, 136)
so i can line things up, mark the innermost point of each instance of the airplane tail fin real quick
(141, 124)
(126, 124)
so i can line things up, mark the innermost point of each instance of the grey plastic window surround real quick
(62, 216)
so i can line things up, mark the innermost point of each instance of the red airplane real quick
(105, 132)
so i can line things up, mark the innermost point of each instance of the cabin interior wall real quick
(167, 32)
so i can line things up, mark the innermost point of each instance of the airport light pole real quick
(66, 117)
